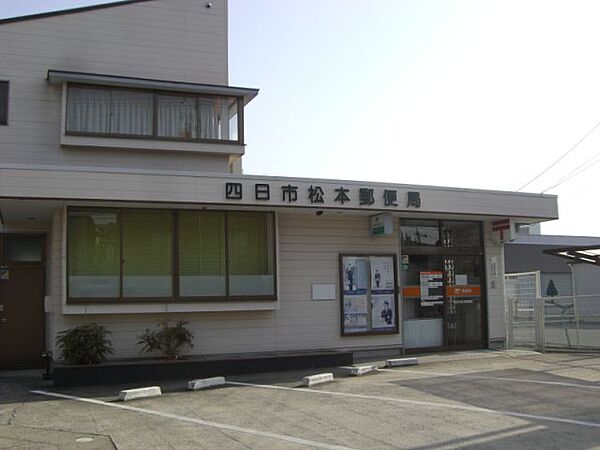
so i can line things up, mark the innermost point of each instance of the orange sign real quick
(470, 290)
(411, 292)
(473, 290)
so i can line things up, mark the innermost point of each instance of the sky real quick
(462, 93)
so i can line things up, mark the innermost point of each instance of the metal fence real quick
(546, 323)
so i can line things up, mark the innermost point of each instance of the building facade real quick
(123, 202)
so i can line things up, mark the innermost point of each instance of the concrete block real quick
(401, 362)
(132, 394)
(311, 380)
(358, 370)
(205, 383)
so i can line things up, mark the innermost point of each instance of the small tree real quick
(84, 344)
(551, 291)
(168, 339)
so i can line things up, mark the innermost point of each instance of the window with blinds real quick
(116, 254)
(147, 253)
(250, 254)
(202, 254)
(93, 248)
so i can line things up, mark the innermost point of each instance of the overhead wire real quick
(590, 162)
(561, 157)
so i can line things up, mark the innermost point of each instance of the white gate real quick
(524, 310)
(566, 322)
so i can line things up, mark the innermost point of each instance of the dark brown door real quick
(22, 332)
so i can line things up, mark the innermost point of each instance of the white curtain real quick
(177, 116)
(88, 110)
(131, 112)
(210, 117)
(109, 111)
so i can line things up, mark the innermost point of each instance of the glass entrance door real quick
(442, 270)
(462, 303)
(441, 300)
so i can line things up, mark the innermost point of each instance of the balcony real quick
(105, 111)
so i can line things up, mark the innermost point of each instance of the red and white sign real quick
(501, 226)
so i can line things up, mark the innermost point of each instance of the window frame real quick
(175, 297)
(440, 249)
(154, 135)
(5, 84)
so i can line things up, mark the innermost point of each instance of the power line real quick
(560, 158)
(576, 171)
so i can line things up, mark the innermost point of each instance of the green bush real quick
(85, 344)
(168, 339)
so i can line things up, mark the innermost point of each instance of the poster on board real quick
(383, 312)
(355, 275)
(432, 287)
(355, 313)
(355, 323)
(382, 274)
(368, 294)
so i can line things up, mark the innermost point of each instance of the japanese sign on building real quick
(338, 195)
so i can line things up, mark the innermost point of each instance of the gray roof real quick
(554, 240)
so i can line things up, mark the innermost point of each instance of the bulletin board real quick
(368, 294)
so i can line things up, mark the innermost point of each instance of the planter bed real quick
(142, 370)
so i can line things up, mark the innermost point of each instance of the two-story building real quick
(122, 202)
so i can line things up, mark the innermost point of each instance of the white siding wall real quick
(55, 275)
(308, 246)
(177, 40)
(494, 260)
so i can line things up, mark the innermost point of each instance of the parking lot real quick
(483, 399)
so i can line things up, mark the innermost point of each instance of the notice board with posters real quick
(369, 300)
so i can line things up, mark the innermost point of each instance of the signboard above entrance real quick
(381, 225)
(323, 195)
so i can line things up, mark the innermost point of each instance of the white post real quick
(575, 313)
(540, 333)
(510, 327)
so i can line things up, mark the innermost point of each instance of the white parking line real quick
(222, 426)
(483, 377)
(424, 403)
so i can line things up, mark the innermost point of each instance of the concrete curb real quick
(145, 392)
(401, 362)
(355, 371)
(311, 380)
(205, 383)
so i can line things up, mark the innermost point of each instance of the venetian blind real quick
(93, 249)
(147, 253)
(201, 253)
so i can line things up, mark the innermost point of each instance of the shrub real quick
(85, 344)
(168, 339)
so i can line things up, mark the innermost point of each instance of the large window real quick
(202, 254)
(94, 253)
(147, 253)
(120, 112)
(250, 240)
(160, 255)
(3, 102)
(437, 233)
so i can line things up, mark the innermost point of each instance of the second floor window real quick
(3, 102)
(148, 114)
